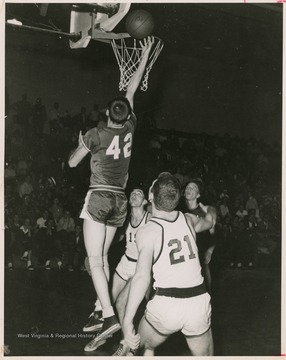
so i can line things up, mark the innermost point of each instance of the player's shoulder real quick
(93, 132)
(191, 219)
(132, 121)
(148, 235)
(150, 228)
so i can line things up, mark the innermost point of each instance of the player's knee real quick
(120, 307)
(148, 352)
(95, 262)
(146, 348)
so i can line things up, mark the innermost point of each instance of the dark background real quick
(220, 70)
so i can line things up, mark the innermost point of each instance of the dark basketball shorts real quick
(106, 207)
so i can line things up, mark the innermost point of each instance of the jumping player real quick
(105, 203)
(171, 253)
(126, 266)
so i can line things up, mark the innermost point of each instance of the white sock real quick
(107, 312)
(48, 262)
(97, 305)
(29, 263)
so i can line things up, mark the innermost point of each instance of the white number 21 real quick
(115, 150)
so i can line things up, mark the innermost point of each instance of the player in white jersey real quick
(167, 245)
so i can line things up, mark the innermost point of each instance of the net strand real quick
(128, 59)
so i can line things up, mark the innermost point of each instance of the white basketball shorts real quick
(126, 268)
(191, 316)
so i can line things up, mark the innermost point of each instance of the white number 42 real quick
(114, 148)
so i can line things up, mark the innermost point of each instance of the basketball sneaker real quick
(94, 344)
(95, 322)
(124, 350)
(110, 326)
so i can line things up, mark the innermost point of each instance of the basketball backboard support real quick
(96, 21)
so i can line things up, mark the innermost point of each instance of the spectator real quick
(66, 223)
(56, 210)
(25, 242)
(54, 122)
(42, 221)
(8, 245)
(9, 171)
(81, 120)
(23, 109)
(241, 212)
(26, 188)
(22, 166)
(242, 253)
(224, 210)
(251, 203)
(94, 117)
(27, 209)
(79, 254)
(65, 238)
(45, 245)
(39, 117)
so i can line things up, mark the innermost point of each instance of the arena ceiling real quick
(221, 32)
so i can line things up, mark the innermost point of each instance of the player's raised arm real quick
(146, 45)
(206, 223)
(79, 153)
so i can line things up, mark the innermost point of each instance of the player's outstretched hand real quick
(130, 337)
(146, 44)
(80, 142)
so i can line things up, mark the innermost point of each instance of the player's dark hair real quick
(119, 109)
(166, 192)
(199, 184)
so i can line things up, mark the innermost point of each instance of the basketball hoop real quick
(128, 53)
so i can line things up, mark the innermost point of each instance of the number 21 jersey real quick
(177, 264)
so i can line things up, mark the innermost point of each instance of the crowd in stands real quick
(43, 196)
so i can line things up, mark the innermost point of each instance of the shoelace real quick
(91, 315)
(124, 350)
(120, 350)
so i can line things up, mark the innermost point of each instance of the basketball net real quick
(128, 53)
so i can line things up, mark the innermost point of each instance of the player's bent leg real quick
(121, 301)
(117, 285)
(150, 338)
(201, 345)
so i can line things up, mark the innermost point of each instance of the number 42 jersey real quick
(110, 153)
(177, 264)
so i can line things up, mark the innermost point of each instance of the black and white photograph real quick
(142, 179)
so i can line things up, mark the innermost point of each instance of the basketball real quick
(139, 24)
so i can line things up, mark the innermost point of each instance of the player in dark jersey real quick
(205, 240)
(125, 268)
(105, 205)
(167, 246)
